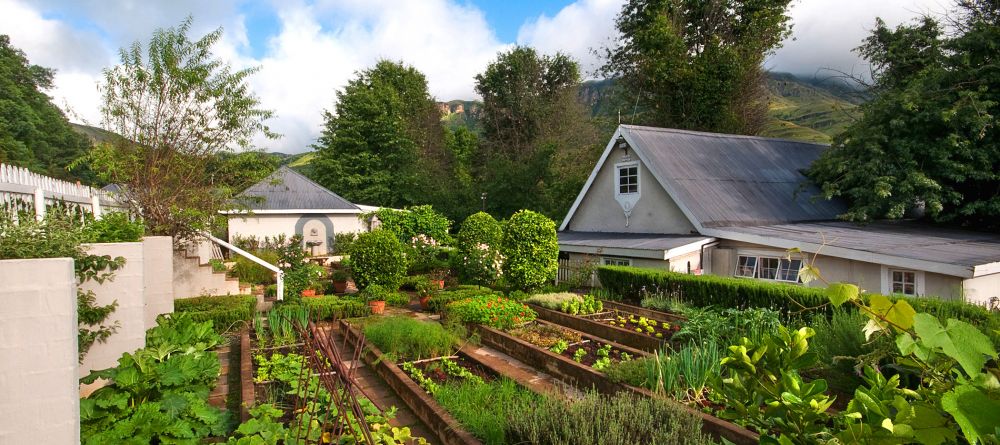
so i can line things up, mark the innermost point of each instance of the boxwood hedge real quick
(225, 311)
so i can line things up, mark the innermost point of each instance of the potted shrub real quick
(437, 277)
(340, 277)
(375, 296)
(425, 290)
(309, 292)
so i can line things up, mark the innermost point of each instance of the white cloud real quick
(577, 30)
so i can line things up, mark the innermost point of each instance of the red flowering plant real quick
(490, 310)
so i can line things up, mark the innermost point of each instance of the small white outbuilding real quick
(288, 203)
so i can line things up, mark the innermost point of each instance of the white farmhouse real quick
(733, 205)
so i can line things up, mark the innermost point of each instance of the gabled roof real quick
(288, 190)
(728, 180)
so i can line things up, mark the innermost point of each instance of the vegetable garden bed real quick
(585, 377)
(598, 325)
(444, 426)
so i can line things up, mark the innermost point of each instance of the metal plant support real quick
(325, 362)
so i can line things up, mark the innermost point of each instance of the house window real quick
(903, 282)
(788, 270)
(746, 266)
(616, 261)
(628, 179)
(768, 268)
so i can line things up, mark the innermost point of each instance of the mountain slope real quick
(807, 111)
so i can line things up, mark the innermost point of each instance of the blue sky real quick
(308, 49)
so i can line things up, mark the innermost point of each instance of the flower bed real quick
(493, 311)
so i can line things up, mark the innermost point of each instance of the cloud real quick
(577, 30)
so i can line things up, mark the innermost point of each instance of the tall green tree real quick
(929, 137)
(538, 141)
(383, 144)
(177, 110)
(696, 64)
(34, 133)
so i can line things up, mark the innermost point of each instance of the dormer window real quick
(628, 178)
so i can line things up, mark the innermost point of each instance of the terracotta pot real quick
(309, 293)
(440, 283)
(425, 302)
(378, 307)
(340, 286)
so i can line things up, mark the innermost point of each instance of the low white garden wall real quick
(39, 396)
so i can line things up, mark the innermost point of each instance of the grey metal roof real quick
(729, 180)
(639, 241)
(287, 189)
(900, 239)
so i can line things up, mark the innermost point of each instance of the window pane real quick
(623, 189)
(745, 266)
(908, 289)
(897, 287)
(909, 277)
(897, 276)
(768, 268)
(789, 270)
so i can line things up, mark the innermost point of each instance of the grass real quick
(484, 408)
(407, 339)
(622, 419)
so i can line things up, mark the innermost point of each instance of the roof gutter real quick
(701, 256)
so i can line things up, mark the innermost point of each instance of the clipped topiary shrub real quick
(530, 248)
(377, 258)
(415, 221)
(479, 260)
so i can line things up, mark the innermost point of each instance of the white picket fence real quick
(573, 271)
(17, 184)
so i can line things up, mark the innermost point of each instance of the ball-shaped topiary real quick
(530, 248)
(377, 257)
(479, 228)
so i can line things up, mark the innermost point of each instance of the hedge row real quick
(332, 308)
(225, 311)
(710, 290)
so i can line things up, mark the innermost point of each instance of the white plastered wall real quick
(980, 290)
(39, 398)
(270, 225)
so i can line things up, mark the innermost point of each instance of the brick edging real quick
(248, 394)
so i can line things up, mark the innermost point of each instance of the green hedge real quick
(225, 311)
(710, 290)
(332, 308)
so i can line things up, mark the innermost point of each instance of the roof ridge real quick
(717, 135)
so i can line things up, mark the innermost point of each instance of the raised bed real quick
(585, 378)
(446, 427)
(248, 394)
(643, 312)
(603, 330)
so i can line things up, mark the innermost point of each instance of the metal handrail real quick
(279, 274)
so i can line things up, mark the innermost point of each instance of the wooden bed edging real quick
(446, 427)
(585, 378)
(248, 395)
(602, 330)
(643, 312)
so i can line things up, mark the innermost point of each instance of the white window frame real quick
(903, 273)
(615, 261)
(919, 284)
(618, 178)
(759, 259)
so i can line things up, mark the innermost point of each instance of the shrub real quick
(377, 258)
(438, 301)
(483, 408)
(331, 308)
(478, 260)
(629, 372)
(342, 242)
(114, 227)
(374, 292)
(225, 312)
(622, 419)
(415, 221)
(250, 272)
(530, 248)
(493, 311)
(408, 339)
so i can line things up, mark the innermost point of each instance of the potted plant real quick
(375, 296)
(340, 277)
(425, 290)
(309, 292)
(437, 277)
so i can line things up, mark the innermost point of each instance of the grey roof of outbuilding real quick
(287, 189)
(638, 241)
(900, 239)
(729, 180)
